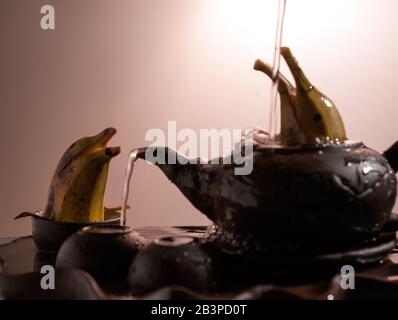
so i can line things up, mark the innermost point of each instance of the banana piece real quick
(80, 197)
(95, 142)
(316, 114)
(78, 184)
(290, 130)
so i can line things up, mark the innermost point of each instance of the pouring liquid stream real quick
(126, 184)
(274, 117)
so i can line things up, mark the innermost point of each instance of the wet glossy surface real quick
(21, 262)
(326, 193)
(104, 251)
(49, 234)
(20, 255)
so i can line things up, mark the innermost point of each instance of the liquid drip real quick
(274, 117)
(126, 185)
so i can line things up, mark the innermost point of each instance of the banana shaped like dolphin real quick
(316, 114)
(307, 115)
(290, 130)
(78, 185)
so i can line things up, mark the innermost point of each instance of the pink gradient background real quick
(135, 64)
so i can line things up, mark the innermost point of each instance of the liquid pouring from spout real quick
(194, 180)
(126, 185)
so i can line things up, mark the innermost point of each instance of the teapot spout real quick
(194, 179)
(391, 154)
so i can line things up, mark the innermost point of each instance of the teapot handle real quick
(391, 154)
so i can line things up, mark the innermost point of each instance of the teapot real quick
(315, 186)
(319, 193)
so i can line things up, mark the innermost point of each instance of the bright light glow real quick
(253, 22)
(249, 23)
(309, 19)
